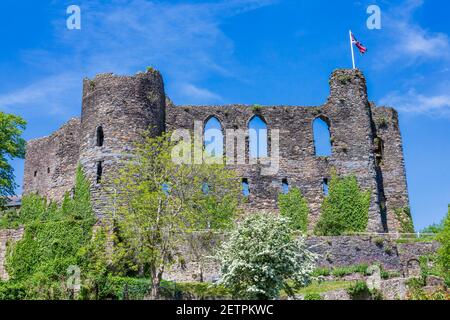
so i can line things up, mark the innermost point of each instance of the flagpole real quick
(351, 46)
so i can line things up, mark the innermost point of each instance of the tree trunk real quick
(155, 288)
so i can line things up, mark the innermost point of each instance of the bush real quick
(345, 209)
(443, 254)
(262, 257)
(359, 291)
(12, 291)
(313, 296)
(294, 206)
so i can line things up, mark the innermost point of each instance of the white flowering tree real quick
(262, 257)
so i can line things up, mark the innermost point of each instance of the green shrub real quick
(345, 209)
(12, 291)
(313, 296)
(294, 206)
(443, 254)
(359, 291)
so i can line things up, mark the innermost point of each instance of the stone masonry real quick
(366, 142)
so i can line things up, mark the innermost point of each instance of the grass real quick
(321, 287)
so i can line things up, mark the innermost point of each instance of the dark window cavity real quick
(100, 136)
(285, 186)
(99, 171)
(325, 187)
(245, 188)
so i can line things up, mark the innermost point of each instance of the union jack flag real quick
(359, 45)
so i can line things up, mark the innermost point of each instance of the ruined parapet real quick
(348, 114)
(390, 159)
(116, 111)
(50, 162)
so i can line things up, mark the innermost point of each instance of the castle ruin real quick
(116, 110)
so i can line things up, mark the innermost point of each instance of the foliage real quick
(12, 145)
(12, 291)
(52, 238)
(313, 296)
(340, 272)
(158, 201)
(443, 254)
(321, 287)
(434, 228)
(345, 209)
(403, 216)
(262, 256)
(294, 206)
(359, 290)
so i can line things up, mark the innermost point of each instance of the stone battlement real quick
(366, 142)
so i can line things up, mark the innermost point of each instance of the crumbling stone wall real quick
(332, 252)
(50, 162)
(7, 236)
(126, 106)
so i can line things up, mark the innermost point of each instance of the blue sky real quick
(247, 51)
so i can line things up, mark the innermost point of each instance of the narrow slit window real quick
(100, 136)
(48, 170)
(99, 171)
(35, 174)
(322, 138)
(285, 186)
(325, 187)
(245, 188)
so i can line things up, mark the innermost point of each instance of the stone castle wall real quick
(126, 106)
(7, 236)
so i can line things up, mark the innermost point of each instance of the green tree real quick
(345, 209)
(11, 146)
(262, 257)
(53, 236)
(160, 204)
(444, 250)
(294, 206)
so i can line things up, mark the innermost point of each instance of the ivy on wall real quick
(53, 237)
(293, 205)
(345, 209)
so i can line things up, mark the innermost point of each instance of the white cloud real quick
(408, 41)
(198, 95)
(184, 41)
(416, 103)
(51, 95)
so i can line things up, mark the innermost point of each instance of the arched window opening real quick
(100, 136)
(213, 138)
(322, 138)
(245, 188)
(99, 171)
(258, 138)
(325, 187)
(285, 186)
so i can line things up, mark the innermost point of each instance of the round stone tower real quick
(116, 111)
